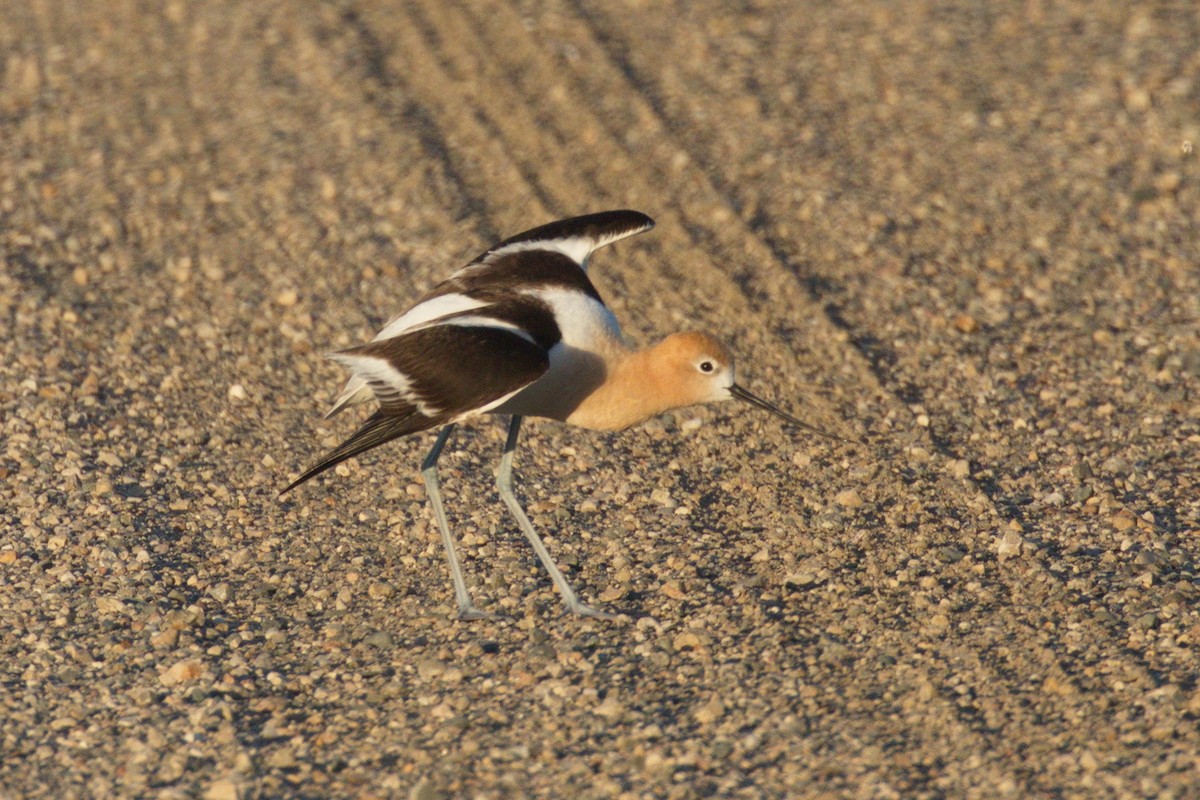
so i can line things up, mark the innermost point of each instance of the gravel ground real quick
(967, 232)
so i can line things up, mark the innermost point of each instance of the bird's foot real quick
(584, 610)
(470, 612)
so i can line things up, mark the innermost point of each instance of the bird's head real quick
(695, 368)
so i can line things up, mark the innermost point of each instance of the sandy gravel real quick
(965, 231)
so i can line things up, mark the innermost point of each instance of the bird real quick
(521, 331)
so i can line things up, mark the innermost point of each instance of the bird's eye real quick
(706, 366)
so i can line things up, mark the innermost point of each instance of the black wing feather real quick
(601, 225)
(380, 428)
(458, 368)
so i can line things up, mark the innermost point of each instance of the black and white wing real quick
(576, 238)
(552, 256)
(435, 376)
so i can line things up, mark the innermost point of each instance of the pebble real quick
(1009, 545)
(380, 590)
(222, 789)
(182, 672)
(283, 758)
(611, 709)
(1123, 520)
(966, 323)
(380, 639)
(287, 298)
(425, 790)
(709, 712)
(848, 498)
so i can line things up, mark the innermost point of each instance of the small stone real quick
(1052, 685)
(165, 639)
(182, 672)
(686, 641)
(1009, 545)
(671, 589)
(615, 592)
(80, 276)
(222, 789)
(425, 790)
(1146, 621)
(8, 557)
(172, 768)
(848, 498)
(950, 554)
(380, 590)
(381, 640)
(283, 758)
(611, 709)
(960, 468)
(710, 712)
(1123, 520)
(430, 668)
(663, 498)
(966, 323)
(800, 579)
(287, 298)
(110, 605)
(237, 392)
(109, 459)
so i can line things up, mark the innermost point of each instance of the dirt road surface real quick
(966, 232)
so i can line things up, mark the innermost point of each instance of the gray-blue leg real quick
(505, 485)
(466, 609)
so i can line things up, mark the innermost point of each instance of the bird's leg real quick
(505, 485)
(466, 609)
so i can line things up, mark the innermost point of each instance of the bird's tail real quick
(378, 429)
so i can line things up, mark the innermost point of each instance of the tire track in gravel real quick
(521, 96)
(517, 100)
(968, 713)
(412, 67)
(383, 87)
(1011, 661)
(1059, 671)
(493, 121)
(527, 88)
(603, 40)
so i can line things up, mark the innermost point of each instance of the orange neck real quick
(635, 388)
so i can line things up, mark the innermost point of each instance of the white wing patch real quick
(388, 383)
(479, 321)
(355, 392)
(424, 313)
(585, 323)
(576, 248)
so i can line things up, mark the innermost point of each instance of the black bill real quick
(755, 400)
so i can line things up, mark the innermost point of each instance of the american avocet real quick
(522, 331)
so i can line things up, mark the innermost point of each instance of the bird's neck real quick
(635, 388)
